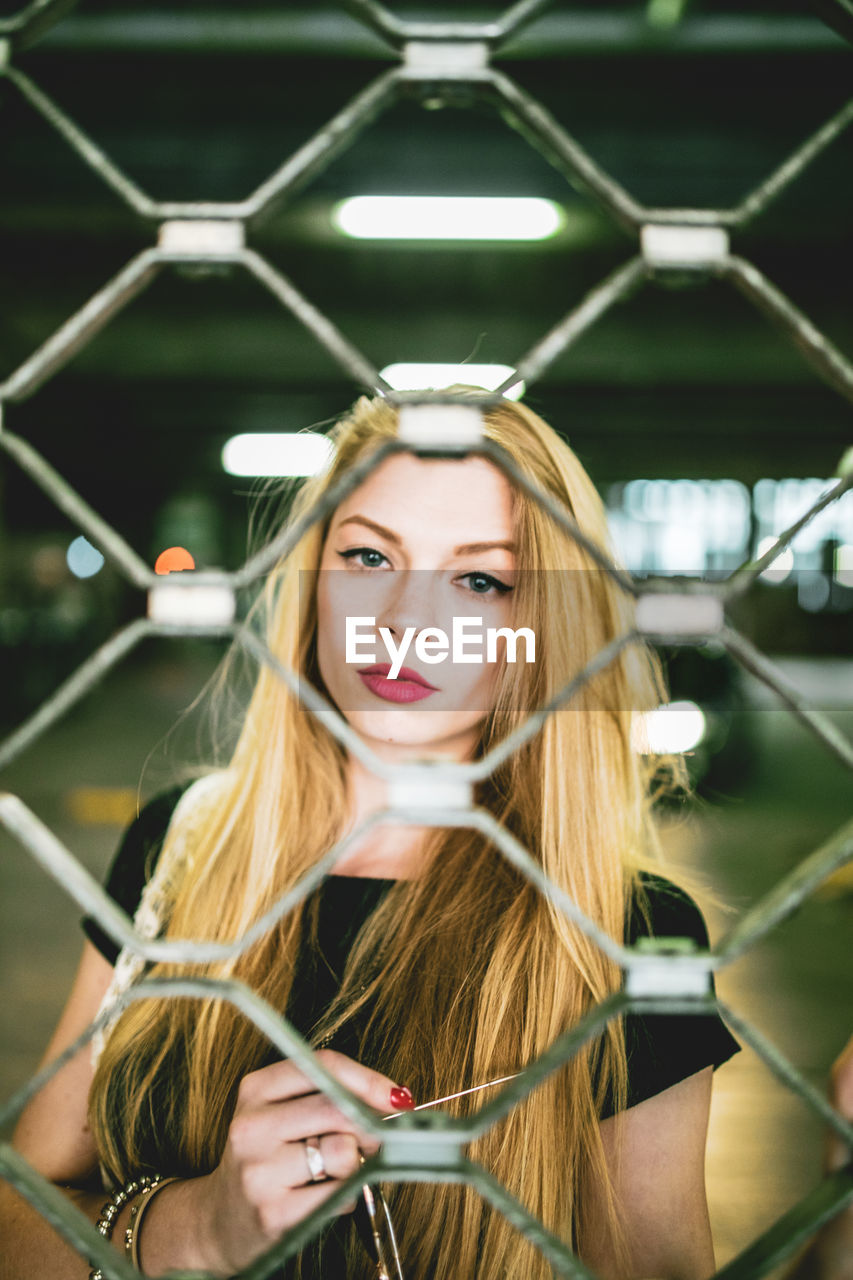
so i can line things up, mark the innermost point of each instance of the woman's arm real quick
(829, 1256)
(53, 1131)
(660, 1186)
(218, 1222)
(53, 1135)
(658, 1181)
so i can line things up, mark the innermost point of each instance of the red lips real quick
(405, 673)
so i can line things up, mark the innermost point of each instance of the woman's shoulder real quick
(141, 844)
(661, 908)
(152, 821)
(145, 835)
(665, 1048)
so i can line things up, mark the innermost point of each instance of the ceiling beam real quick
(328, 32)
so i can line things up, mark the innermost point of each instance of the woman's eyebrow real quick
(474, 548)
(467, 549)
(371, 524)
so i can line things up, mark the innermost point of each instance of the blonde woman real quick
(425, 965)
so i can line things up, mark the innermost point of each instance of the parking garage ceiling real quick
(205, 101)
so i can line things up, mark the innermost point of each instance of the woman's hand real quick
(263, 1184)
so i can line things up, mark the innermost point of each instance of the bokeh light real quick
(173, 560)
(672, 729)
(83, 559)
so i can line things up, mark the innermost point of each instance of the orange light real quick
(173, 559)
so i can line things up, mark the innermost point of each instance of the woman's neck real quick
(389, 851)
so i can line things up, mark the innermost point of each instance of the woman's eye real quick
(484, 584)
(368, 558)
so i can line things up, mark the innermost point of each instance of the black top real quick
(662, 1049)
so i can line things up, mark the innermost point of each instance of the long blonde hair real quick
(500, 972)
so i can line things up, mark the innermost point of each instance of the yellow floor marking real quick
(102, 806)
(838, 884)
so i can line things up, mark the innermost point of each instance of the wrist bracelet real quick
(113, 1207)
(137, 1210)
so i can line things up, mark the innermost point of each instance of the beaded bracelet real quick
(114, 1206)
(137, 1209)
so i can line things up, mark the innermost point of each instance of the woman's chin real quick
(414, 728)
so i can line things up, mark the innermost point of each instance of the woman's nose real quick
(410, 600)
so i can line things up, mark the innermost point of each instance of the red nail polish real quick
(401, 1099)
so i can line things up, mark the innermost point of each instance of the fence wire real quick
(435, 60)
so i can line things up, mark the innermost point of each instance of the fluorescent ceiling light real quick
(294, 453)
(448, 217)
(843, 568)
(435, 377)
(778, 569)
(665, 13)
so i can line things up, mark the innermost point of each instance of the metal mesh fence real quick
(435, 60)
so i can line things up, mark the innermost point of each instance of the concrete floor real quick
(796, 986)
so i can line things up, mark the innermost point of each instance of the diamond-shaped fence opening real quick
(442, 62)
(682, 176)
(186, 119)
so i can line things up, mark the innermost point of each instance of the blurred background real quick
(705, 431)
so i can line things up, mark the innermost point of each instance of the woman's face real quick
(422, 543)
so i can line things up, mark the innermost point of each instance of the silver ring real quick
(314, 1157)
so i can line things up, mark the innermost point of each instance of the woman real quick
(425, 965)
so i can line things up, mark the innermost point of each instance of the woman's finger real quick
(283, 1080)
(313, 1114)
(278, 1213)
(256, 1132)
(337, 1155)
